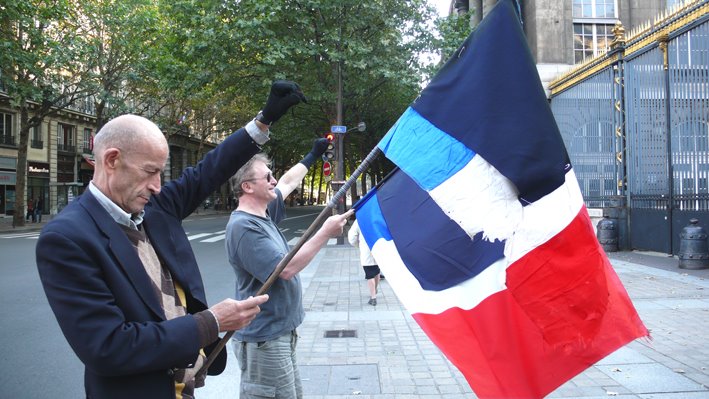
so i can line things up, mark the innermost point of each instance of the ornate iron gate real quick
(636, 124)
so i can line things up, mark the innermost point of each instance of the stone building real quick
(59, 156)
(562, 33)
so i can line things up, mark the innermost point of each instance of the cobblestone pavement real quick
(380, 352)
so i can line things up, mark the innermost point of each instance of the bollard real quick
(693, 249)
(607, 234)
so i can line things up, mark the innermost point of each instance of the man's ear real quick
(111, 157)
(247, 188)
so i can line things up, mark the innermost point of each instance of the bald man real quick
(119, 271)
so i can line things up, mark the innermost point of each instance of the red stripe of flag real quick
(564, 310)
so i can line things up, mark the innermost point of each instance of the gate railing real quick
(635, 120)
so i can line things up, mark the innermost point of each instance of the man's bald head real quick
(129, 133)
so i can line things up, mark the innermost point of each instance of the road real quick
(38, 362)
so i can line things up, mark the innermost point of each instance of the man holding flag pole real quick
(255, 249)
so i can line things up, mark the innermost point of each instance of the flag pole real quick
(319, 220)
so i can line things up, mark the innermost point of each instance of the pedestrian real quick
(30, 210)
(38, 210)
(120, 274)
(369, 265)
(266, 348)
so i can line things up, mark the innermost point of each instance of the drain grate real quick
(340, 334)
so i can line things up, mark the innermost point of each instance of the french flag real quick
(482, 230)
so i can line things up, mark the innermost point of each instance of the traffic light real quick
(329, 154)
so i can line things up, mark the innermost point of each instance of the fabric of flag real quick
(482, 230)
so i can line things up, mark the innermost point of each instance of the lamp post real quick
(340, 170)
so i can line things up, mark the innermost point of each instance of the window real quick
(65, 137)
(593, 27)
(7, 136)
(37, 137)
(87, 141)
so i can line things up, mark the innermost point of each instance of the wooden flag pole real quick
(319, 220)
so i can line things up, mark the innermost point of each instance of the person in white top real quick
(371, 269)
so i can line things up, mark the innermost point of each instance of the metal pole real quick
(340, 170)
(306, 236)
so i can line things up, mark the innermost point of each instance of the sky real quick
(441, 6)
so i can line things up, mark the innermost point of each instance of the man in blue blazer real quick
(119, 271)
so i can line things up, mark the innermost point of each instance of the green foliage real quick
(43, 52)
(452, 31)
(372, 45)
(214, 61)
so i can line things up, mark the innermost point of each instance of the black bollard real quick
(607, 234)
(693, 249)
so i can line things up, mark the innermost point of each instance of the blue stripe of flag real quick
(435, 249)
(426, 153)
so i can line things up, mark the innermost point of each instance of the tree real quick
(120, 34)
(42, 68)
(373, 46)
(451, 33)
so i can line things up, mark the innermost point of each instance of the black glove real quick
(284, 94)
(319, 147)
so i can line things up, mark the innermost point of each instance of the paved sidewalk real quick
(380, 352)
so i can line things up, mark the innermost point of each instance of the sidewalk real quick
(348, 347)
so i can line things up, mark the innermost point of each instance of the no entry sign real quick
(326, 168)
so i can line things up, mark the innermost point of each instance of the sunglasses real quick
(268, 178)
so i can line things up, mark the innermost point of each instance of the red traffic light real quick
(330, 150)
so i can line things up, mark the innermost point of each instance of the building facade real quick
(59, 161)
(59, 157)
(561, 33)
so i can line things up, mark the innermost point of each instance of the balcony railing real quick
(37, 144)
(66, 148)
(8, 139)
(87, 150)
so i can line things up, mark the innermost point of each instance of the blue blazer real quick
(102, 297)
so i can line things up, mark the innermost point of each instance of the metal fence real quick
(636, 125)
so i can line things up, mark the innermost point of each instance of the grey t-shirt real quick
(254, 246)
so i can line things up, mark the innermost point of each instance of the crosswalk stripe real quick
(21, 235)
(294, 240)
(215, 239)
(196, 236)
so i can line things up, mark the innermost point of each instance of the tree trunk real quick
(312, 182)
(18, 219)
(320, 186)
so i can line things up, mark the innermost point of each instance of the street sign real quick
(326, 168)
(338, 129)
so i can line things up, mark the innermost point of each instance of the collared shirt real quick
(118, 214)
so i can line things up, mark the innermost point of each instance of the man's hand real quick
(234, 315)
(319, 147)
(284, 94)
(334, 224)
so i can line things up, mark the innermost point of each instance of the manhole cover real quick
(341, 334)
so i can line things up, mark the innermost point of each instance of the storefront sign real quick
(7, 178)
(38, 169)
